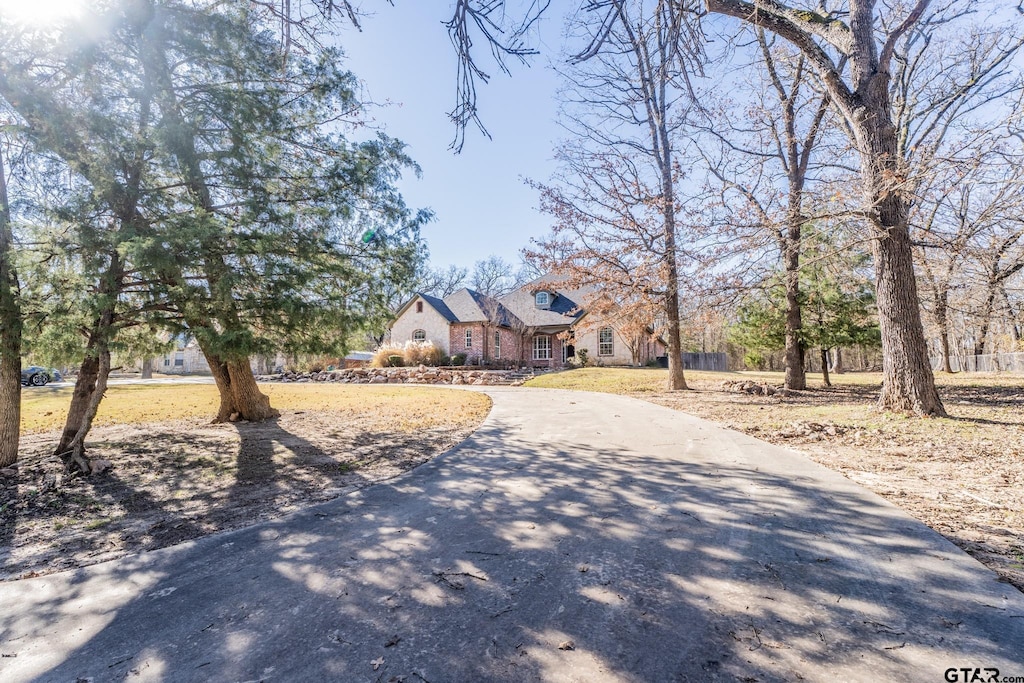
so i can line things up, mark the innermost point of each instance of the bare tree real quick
(968, 237)
(617, 209)
(441, 282)
(493, 276)
(865, 36)
(1000, 259)
(765, 161)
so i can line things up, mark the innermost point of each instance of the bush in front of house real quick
(409, 354)
(422, 353)
(384, 355)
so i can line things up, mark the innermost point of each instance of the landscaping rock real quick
(414, 375)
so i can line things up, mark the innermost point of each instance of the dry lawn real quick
(962, 475)
(175, 477)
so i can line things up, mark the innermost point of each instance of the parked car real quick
(55, 375)
(35, 375)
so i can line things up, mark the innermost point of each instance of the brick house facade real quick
(538, 325)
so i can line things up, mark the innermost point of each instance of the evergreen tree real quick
(224, 197)
(836, 298)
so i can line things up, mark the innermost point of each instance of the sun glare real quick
(40, 11)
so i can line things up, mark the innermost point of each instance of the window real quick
(605, 342)
(167, 362)
(179, 359)
(419, 306)
(419, 335)
(542, 348)
(469, 339)
(542, 298)
(497, 345)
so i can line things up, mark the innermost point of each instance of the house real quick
(541, 324)
(185, 359)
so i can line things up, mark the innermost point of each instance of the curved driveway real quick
(574, 537)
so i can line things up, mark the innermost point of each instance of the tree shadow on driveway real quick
(537, 555)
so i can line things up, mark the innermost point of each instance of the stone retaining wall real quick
(415, 375)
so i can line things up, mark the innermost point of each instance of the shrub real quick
(458, 359)
(382, 356)
(582, 357)
(422, 353)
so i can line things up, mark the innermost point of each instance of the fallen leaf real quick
(377, 663)
(567, 645)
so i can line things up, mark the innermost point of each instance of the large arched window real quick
(419, 335)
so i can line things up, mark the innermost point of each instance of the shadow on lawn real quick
(136, 519)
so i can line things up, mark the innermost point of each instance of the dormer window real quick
(542, 298)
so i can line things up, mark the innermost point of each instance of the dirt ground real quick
(173, 481)
(962, 476)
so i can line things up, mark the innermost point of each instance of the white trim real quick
(497, 345)
(422, 337)
(542, 351)
(469, 338)
(546, 299)
(601, 343)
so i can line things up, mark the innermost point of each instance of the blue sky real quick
(404, 58)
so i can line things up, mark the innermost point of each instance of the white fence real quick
(989, 362)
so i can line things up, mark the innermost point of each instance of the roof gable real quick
(432, 301)
(565, 305)
(470, 306)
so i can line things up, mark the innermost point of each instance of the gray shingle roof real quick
(470, 306)
(566, 308)
(516, 308)
(440, 306)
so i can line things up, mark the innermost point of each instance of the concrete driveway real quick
(574, 537)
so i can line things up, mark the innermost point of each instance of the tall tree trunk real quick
(10, 335)
(908, 382)
(837, 366)
(240, 396)
(796, 377)
(824, 368)
(1014, 320)
(676, 376)
(90, 374)
(147, 368)
(986, 319)
(85, 386)
(942, 318)
(74, 456)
